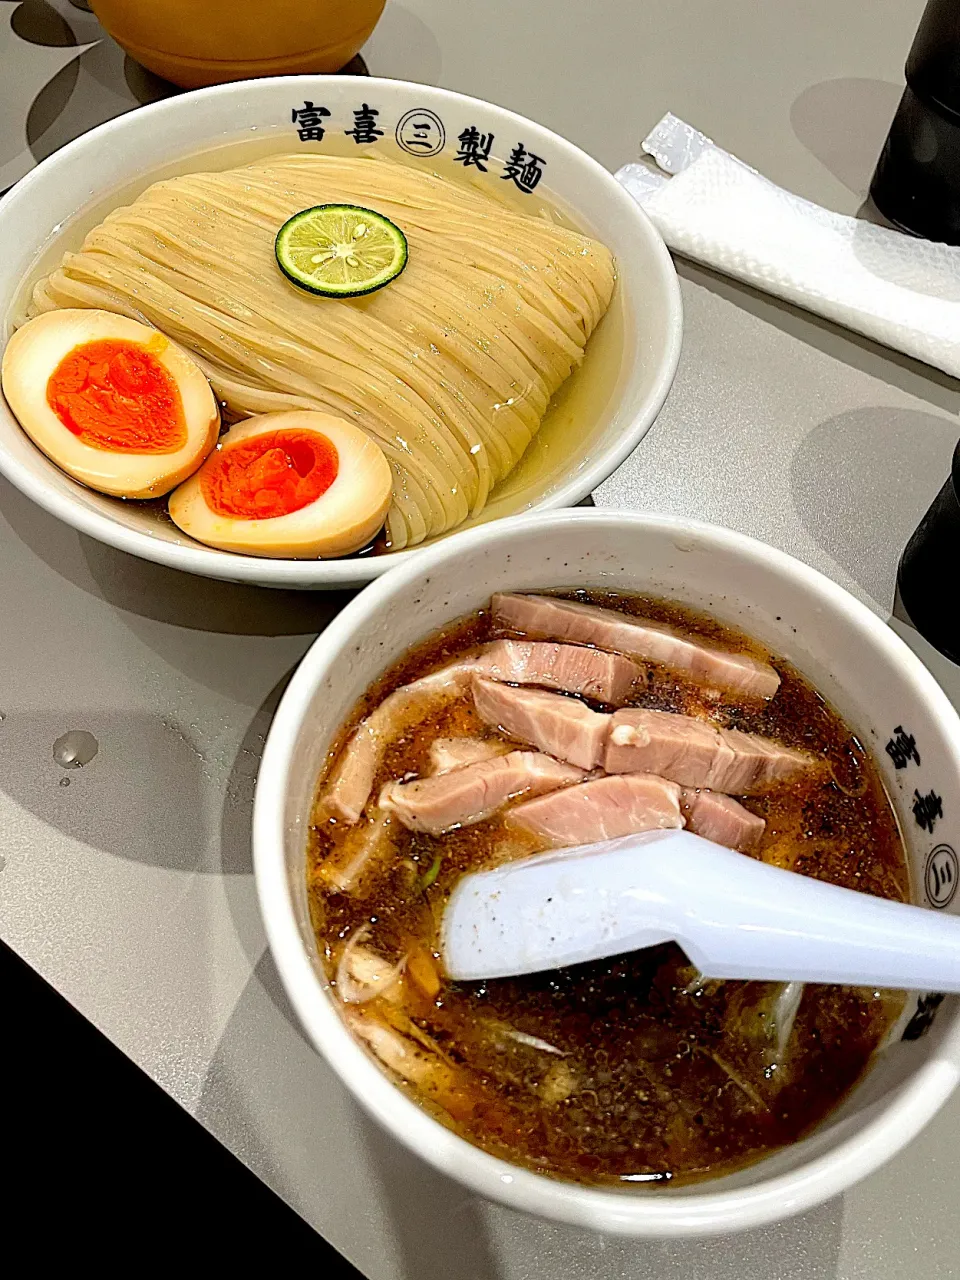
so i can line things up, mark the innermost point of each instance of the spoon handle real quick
(749, 920)
(735, 917)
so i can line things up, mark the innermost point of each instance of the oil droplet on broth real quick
(74, 749)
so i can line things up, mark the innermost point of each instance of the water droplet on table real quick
(64, 782)
(74, 749)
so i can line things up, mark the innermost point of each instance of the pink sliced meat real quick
(606, 677)
(476, 791)
(454, 753)
(601, 810)
(351, 781)
(562, 727)
(759, 762)
(674, 746)
(545, 617)
(721, 819)
(695, 754)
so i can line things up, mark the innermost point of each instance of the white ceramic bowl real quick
(51, 209)
(857, 662)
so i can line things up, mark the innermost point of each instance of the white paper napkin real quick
(904, 292)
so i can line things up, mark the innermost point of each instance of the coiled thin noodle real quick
(378, 384)
(502, 436)
(450, 368)
(159, 242)
(275, 363)
(274, 209)
(447, 448)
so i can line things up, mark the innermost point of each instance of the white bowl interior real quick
(862, 668)
(597, 418)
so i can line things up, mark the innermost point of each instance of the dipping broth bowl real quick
(868, 674)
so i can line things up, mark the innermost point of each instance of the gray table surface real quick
(131, 889)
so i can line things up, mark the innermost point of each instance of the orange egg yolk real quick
(116, 395)
(268, 475)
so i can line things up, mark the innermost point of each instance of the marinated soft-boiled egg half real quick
(299, 485)
(112, 402)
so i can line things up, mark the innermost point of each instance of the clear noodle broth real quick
(634, 1069)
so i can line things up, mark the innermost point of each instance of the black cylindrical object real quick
(933, 67)
(917, 180)
(925, 575)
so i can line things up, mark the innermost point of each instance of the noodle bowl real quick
(592, 422)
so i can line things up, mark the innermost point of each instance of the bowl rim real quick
(890, 1127)
(333, 574)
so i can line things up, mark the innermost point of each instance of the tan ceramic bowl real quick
(200, 42)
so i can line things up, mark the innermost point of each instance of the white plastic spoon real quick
(733, 916)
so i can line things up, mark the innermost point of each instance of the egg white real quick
(35, 351)
(340, 521)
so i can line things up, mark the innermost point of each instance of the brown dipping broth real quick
(658, 1077)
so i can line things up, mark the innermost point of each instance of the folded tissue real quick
(710, 206)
